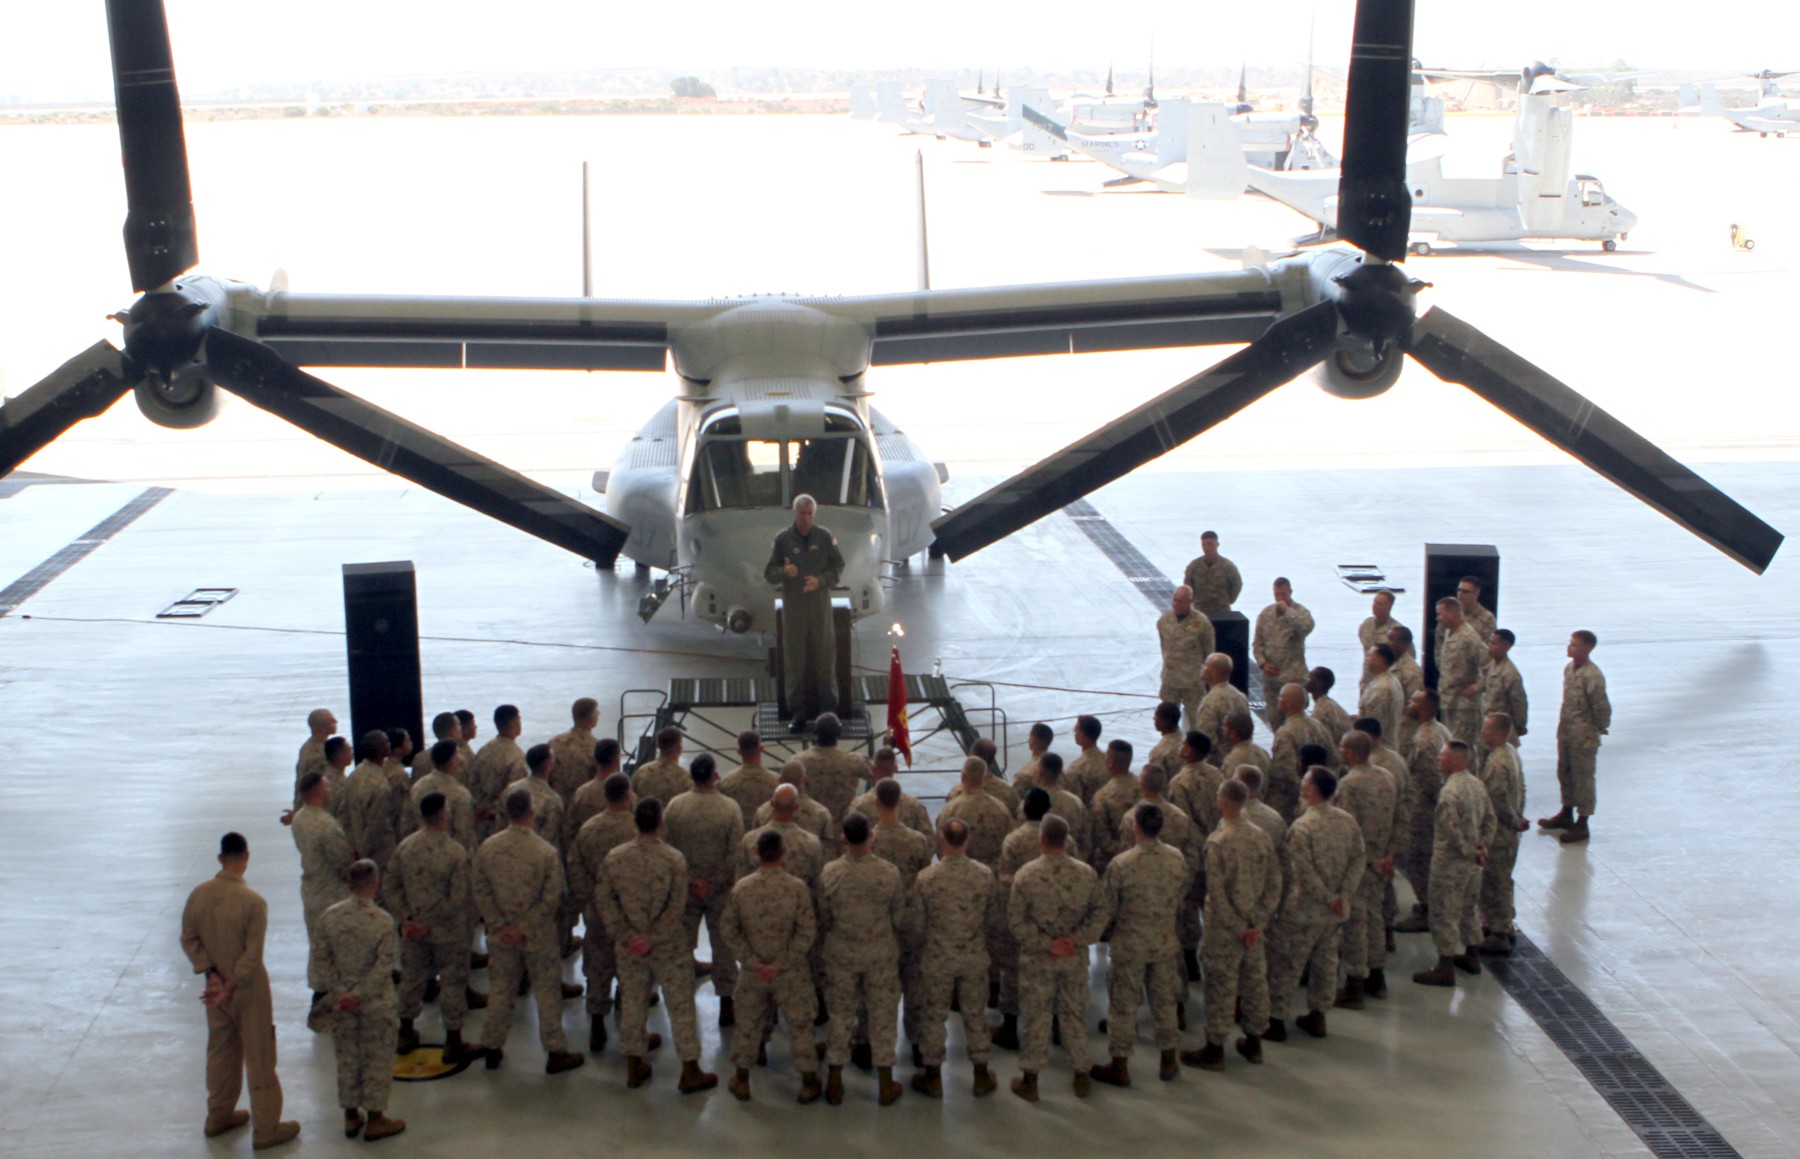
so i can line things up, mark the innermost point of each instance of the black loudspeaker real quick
(841, 620)
(381, 630)
(1445, 565)
(1231, 635)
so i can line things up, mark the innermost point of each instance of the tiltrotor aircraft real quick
(771, 393)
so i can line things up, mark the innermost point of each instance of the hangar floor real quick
(1671, 920)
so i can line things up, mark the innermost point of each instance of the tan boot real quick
(1025, 1086)
(1116, 1073)
(216, 1127)
(1171, 1065)
(637, 1072)
(694, 1080)
(834, 1086)
(984, 1080)
(353, 1122)
(739, 1086)
(382, 1127)
(407, 1040)
(810, 1090)
(1443, 974)
(1083, 1084)
(562, 1060)
(1250, 1046)
(1351, 996)
(889, 1091)
(283, 1132)
(1209, 1057)
(930, 1082)
(1313, 1022)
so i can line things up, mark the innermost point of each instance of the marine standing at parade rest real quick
(1464, 827)
(1369, 795)
(1586, 717)
(429, 894)
(324, 871)
(356, 948)
(499, 763)
(750, 784)
(805, 564)
(1243, 887)
(1326, 860)
(1056, 910)
(1505, 784)
(770, 926)
(1145, 886)
(861, 906)
(1459, 657)
(1212, 578)
(957, 902)
(600, 834)
(369, 814)
(575, 759)
(1502, 688)
(663, 778)
(706, 827)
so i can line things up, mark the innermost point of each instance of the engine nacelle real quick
(1355, 371)
(186, 401)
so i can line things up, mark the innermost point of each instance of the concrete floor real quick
(177, 732)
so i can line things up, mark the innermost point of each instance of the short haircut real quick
(1402, 631)
(1281, 581)
(1250, 776)
(987, 750)
(703, 768)
(616, 788)
(334, 746)
(1325, 678)
(1168, 713)
(1209, 535)
(973, 767)
(1432, 699)
(584, 709)
(1037, 803)
(372, 742)
(606, 751)
(1507, 635)
(430, 805)
(770, 846)
(1054, 832)
(1241, 725)
(1042, 733)
(1586, 637)
(1314, 754)
(856, 829)
(1472, 581)
(505, 715)
(1449, 602)
(1088, 726)
(804, 500)
(1119, 749)
(827, 729)
(1367, 724)
(1199, 742)
(1387, 654)
(956, 833)
(667, 739)
(518, 804)
(1235, 792)
(1050, 766)
(887, 793)
(363, 874)
(536, 757)
(309, 782)
(443, 724)
(464, 716)
(648, 815)
(1460, 746)
(318, 716)
(1324, 781)
(1148, 817)
(398, 738)
(748, 741)
(1358, 743)
(1221, 661)
(233, 845)
(1154, 778)
(1504, 719)
(443, 752)
(885, 756)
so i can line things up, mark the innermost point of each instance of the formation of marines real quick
(833, 900)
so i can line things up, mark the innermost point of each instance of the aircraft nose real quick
(1627, 219)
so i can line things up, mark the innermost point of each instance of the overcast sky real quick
(56, 49)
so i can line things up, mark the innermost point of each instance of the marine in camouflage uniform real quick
(707, 828)
(1056, 910)
(429, 892)
(1111, 803)
(1502, 688)
(1586, 717)
(987, 819)
(355, 947)
(1382, 697)
(1084, 775)
(1279, 646)
(1145, 887)
(1326, 860)
(833, 776)
(1222, 699)
(1020, 848)
(908, 851)
(663, 778)
(1462, 830)
(862, 904)
(325, 859)
(574, 749)
(1243, 887)
(602, 833)
(589, 798)
(1187, 639)
(806, 564)
(1212, 578)
(1505, 783)
(1369, 795)
(912, 811)
(518, 883)
(957, 903)
(446, 779)
(750, 785)
(1459, 659)
(770, 926)
(368, 815)
(499, 763)
(1281, 776)
(1425, 781)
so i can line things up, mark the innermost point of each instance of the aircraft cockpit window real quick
(836, 423)
(1592, 194)
(736, 473)
(835, 470)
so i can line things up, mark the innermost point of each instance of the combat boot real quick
(739, 1086)
(216, 1127)
(596, 1033)
(1574, 833)
(1250, 1046)
(1561, 819)
(810, 1090)
(929, 1082)
(985, 1082)
(888, 1091)
(1116, 1073)
(282, 1132)
(1025, 1086)
(1209, 1057)
(1375, 986)
(562, 1060)
(1083, 1084)
(1007, 1036)
(1277, 1031)
(727, 1013)
(637, 1072)
(1191, 960)
(1313, 1022)
(353, 1122)
(694, 1080)
(456, 1051)
(408, 1039)
(1171, 1066)
(1351, 996)
(1419, 923)
(382, 1127)
(1442, 974)
(834, 1085)
(493, 1056)
(475, 998)
(862, 1057)
(1496, 944)
(1469, 961)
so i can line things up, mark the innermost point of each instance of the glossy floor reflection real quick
(133, 744)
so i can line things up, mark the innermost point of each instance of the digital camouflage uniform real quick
(600, 834)
(1372, 632)
(1167, 751)
(957, 903)
(589, 801)
(355, 948)
(1145, 886)
(547, 810)
(707, 828)
(809, 646)
(1182, 834)
(808, 815)
(1505, 783)
(519, 881)
(1281, 640)
(1243, 887)
(1080, 819)
(1221, 700)
(643, 890)
(663, 779)
(1481, 620)
(1326, 860)
(1421, 808)
(996, 787)
(1084, 775)
(1464, 823)
(988, 823)
(912, 811)
(1459, 659)
(861, 905)
(1368, 794)
(1383, 699)
(1586, 715)
(1215, 583)
(1112, 802)
(500, 763)
(457, 803)
(1281, 776)
(368, 814)
(908, 851)
(1021, 847)
(769, 921)
(325, 859)
(834, 778)
(1195, 791)
(1411, 677)
(1186, 643)
(750, 786)
(575, 765)
(805, 856)
(1055, 897)
(1503, 690)
(429, 882)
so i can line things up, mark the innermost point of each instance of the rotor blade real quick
(1288, 348)
(1457, 352)
(81, 388)
(1374, 206)
(257, 374)
(160, 241)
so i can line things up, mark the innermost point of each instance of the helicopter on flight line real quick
(771, 396)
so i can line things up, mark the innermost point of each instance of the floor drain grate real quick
(1650, 1105)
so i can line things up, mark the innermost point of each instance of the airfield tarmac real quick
(1667, 920)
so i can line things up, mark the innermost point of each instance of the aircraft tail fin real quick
(1216, 167)
(1709, 101)
(890, 103)
(1686, 99)
(1172, 132)
(862, 103)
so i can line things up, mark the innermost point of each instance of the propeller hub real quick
(1376, 302)
(164, 329)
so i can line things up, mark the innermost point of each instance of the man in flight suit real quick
(806, 564)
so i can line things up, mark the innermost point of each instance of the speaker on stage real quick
(1445, 565)
(840, 623)
(1231, 635)
(381, 631)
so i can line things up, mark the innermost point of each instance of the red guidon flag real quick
(898, 736)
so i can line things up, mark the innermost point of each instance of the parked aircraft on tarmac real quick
(1774, 116)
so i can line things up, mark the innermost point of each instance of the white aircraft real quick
(1012, 129)
(1775, 116)
(1536, 197)
(771, 395)
(1535, 78)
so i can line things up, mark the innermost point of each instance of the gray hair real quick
(804, 500)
